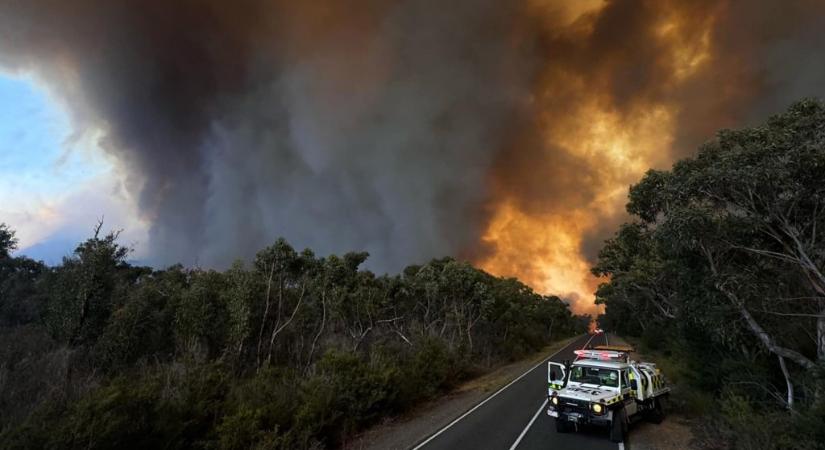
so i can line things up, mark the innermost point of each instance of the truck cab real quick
(604, 387)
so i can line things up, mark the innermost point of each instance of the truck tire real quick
(562, 426)
(618, 426)
(658, 413)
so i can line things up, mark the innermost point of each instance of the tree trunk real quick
(819, 395)
(820, 336)
(320, 330)
(763, 336)
(266, 314)
(787, 375)
(766, 338)
(280, 328)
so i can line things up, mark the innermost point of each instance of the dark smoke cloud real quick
(766, 56)
(389, 127)
(340, 126)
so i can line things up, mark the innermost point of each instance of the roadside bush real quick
(260, 411)
(427, 371)
(138, 329)
(294, 352)
(248, 428)
(751, 428)
(346, 394)
(120, 415)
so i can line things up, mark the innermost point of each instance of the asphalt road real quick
(516, 417)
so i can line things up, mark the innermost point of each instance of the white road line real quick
(588, 341)
(524, 431)
(536, 415)
(490, 398)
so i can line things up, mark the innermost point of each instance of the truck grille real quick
(573, 405)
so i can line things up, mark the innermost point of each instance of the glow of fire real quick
(544, 249)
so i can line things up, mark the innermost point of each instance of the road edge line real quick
(529, 424)
(448, 426)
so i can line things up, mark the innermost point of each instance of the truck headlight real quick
(597, 408)
(554, 400)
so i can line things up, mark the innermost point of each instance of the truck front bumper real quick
(577, 416)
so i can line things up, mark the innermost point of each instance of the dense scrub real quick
(293, 351)
(721, 271)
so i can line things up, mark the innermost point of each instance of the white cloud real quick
(50, 228)
(55, 184)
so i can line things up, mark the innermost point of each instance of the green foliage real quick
(241, 300)
(427, 371)
(8, 242)
(295, 351)
(723, 268)
(82, 291)
(20, 302)
(119, 415)
(200, 316)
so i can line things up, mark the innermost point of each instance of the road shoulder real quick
(405, 431)
(674, 433)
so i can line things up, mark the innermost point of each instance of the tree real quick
(735, 233)
(640, 277)
(81, 292)
(8, 241)
(241, 299)
(295, 351)
(19, 303)
(201, 317)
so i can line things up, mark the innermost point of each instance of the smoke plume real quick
(504, 132)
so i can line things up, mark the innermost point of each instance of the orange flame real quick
(543, 247)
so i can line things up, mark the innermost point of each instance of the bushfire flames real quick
(544, 248)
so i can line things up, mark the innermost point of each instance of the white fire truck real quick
(603, 386)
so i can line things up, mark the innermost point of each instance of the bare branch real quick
(769, 253)
(766, 339)
(789, 314)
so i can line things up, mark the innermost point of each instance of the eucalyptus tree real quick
(82, 291)
(8, 241)
(734, 235)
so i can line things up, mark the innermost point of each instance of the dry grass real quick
(502, 375)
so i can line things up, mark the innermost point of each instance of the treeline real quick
(293, 351)
(722, 268)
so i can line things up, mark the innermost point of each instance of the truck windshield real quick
(595, 375)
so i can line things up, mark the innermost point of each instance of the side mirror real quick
(554, 375)
(633, 385)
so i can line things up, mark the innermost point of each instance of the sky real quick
(55, 182)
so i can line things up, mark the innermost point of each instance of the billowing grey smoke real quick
(394, 127)
(361, 126)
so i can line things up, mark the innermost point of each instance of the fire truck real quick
(604, 387)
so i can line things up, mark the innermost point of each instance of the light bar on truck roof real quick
(603, 355)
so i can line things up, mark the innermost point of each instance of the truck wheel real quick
(618, 426)
(657, 415)
(562, 426)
